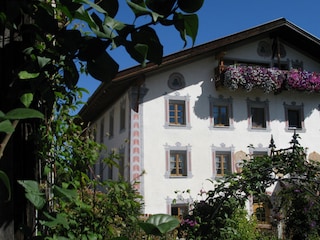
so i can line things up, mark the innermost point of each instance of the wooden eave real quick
(108, 93)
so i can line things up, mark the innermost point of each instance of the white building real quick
(181, 124)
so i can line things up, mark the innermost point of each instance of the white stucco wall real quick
(158, 189)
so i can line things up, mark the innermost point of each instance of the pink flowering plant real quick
(270, 79)
(250, 77)
(303, 80)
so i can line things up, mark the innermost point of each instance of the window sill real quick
(221, 128)
(298, 130)
(264, 225)
(177, 126)
(250, 129)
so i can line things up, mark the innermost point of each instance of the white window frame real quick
(186, 100)
(178, 147)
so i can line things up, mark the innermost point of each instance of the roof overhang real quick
(108, 93)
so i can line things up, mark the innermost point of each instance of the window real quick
(177, 111)
(222, 160)
(258, 117)
(294, 116)
(221, 116)
(258, 114)
(223, 163)
(179, 210)
(221, 111)
(261, 211)
(111, 123)
(178, 161)
(122, 115)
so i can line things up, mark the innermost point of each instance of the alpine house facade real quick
(193, 117)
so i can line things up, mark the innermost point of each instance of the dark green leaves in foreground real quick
(33, 193)
(159, 224)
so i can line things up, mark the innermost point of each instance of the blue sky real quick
(219, 19)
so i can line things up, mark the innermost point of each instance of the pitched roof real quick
(107, 93)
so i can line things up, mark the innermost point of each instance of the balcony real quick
(267, 79)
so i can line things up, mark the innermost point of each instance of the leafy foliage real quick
(295, 199)
(44, 49)
(159, 224)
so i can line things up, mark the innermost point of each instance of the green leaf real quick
(62, 192)
(26, 99)
(110, 6)
(2, 115)
(159, 224)
(5, 179)
(33, 193)
(137, 51)
(43, 61)
(83, 15)
(114, 24)
(26, 75)
(91, 48)
(103, 68)
(23, 113)
(70, 74)
(60, 219)
(187, 25)
(140, 10)
(6, 126)
(149, 37)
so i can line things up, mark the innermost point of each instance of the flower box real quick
(268, 79)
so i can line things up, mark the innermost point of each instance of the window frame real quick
(178, 149)
(182, 209)
(221, 102)
(258, 104)
(177, 99)
(300, 110)
(222, 151)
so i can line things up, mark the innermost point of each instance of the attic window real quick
(176, 81)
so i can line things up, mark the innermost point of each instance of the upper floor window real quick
(177, 111)
(294, 116)
(221, 112)
(122, 115)
(258, 114)
(178, 161)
